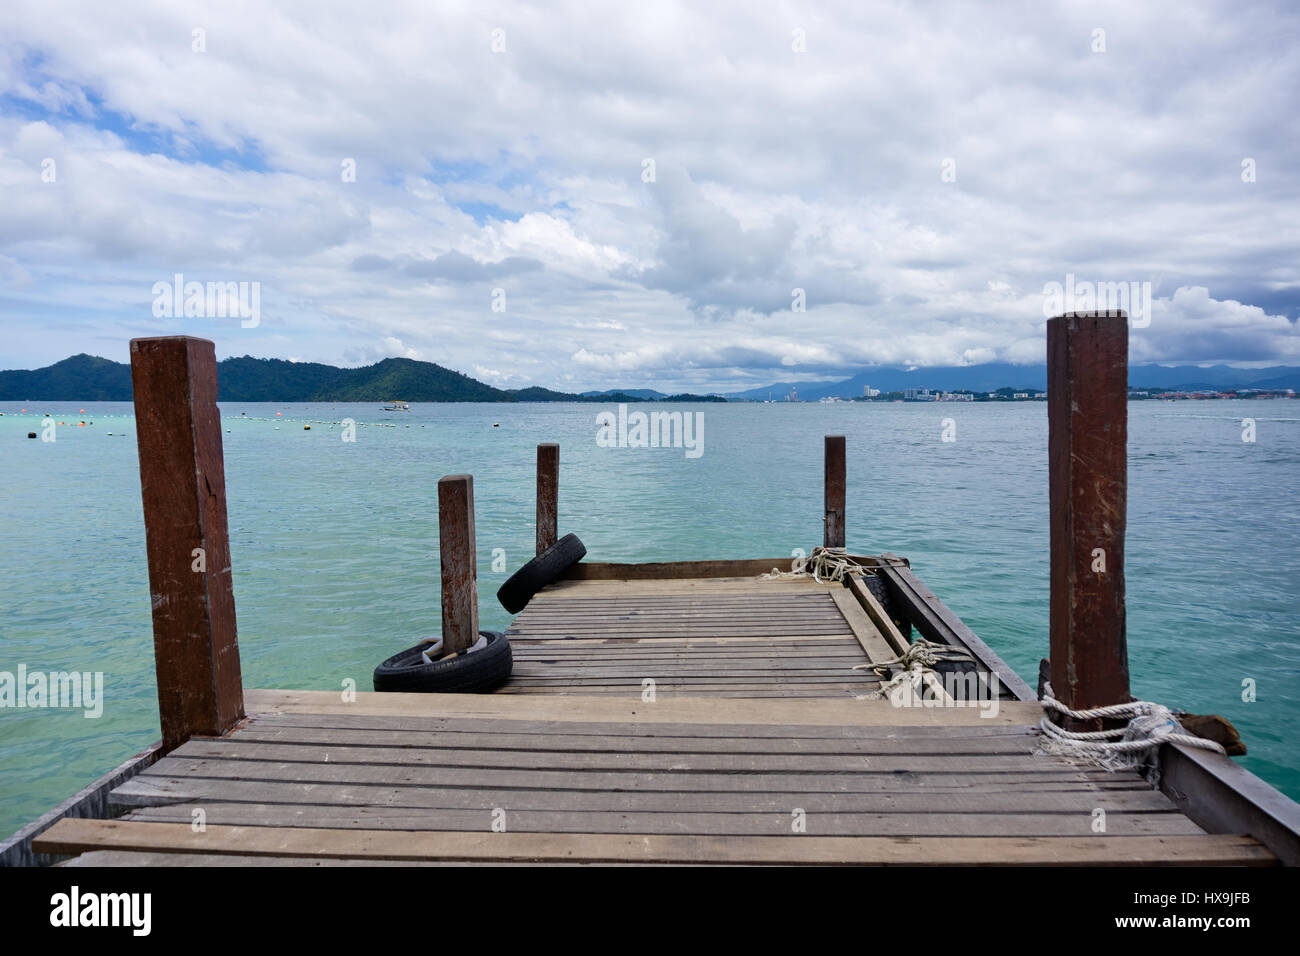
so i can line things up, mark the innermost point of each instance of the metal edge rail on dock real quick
(201, 695)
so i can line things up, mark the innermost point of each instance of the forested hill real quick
(87, 378)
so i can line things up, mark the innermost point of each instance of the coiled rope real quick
(1128, 747)
(826, 565)
(913, 664)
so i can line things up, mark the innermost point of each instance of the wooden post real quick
(1087, 414)
(183, 485)
(459, 565)
(834, 491)
(548, 495)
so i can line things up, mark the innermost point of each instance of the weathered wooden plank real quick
(1087, 434)
(105, 858)
(672, 570)
(78, 836)
(765, 692)
(893, 637)
(776, 670)
(670, 595)
(1223, 797)
(425, 727)
(684, 819)
(846, 652)
(676, 644)
(864, 781)
(976, 798)
(750, 601)
(714, 675)
(91, 800)
(758, 624)
(683, 628)
(183, 485)
(677, 587)
(623, 743)
(794, 624)
(868, 637)
(876, 618)
(788, 593)
(548, 495)
(777, 592)
(677, 763)
(753, 617)
(748, 613)
(703, 710)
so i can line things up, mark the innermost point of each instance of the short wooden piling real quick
(1087, 409)
(548, 495)
(183, 486)
(834, 491)
(459, 565)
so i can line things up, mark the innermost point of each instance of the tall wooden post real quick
(459, 564)
(548, 495)
(183, 485)
(1087, 414)
(834, 491)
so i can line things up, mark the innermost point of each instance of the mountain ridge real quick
(90, 378)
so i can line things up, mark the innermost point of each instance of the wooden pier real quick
(754, 748)
(685, 713)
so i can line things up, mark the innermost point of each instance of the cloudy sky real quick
(648, 184)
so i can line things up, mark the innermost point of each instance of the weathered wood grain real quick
(183, 486)
(76, 836)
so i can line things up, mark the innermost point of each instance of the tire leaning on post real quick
(549, 566)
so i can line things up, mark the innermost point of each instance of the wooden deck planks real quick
(733, 643)
(757, 718)
(77, 836)
(633, 711)
(773, 822)
(155, 792)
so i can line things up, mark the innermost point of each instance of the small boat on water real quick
(397, 407)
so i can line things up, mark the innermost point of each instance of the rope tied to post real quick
(1124, 748)
(827, 565)
(913, 664)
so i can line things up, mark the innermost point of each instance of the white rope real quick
(824, 564)
(1150, 725)
(913, 664)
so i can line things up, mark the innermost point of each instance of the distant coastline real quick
(87, 378)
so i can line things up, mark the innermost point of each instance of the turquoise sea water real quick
(335, 544)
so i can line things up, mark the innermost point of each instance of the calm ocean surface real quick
(335, 544)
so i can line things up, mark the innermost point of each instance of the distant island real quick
(88, 378)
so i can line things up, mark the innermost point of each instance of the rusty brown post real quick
(548, 495)
(1087, 415)
(183, 486)
(834, 491)
(459, 566)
